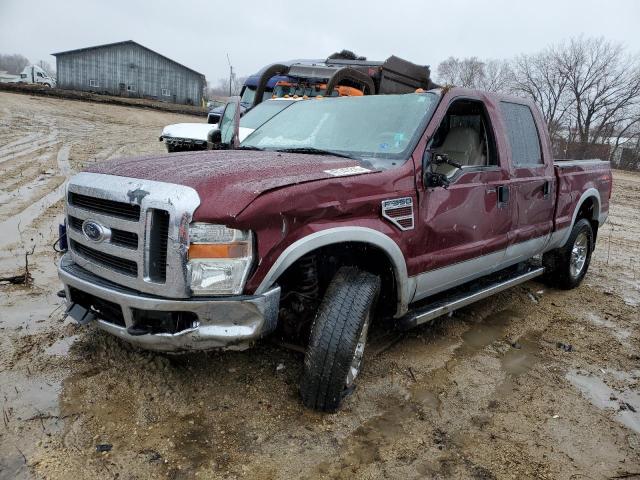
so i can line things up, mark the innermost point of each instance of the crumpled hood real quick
(229, 180)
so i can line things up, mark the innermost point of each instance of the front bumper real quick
(185, 144)
(221, 322)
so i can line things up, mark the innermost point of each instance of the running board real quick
(459, 300)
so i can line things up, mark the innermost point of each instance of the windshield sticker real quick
(341, 172)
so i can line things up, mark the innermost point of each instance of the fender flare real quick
(332, 236)
(590, 193)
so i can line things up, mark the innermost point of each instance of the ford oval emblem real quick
(95, 232)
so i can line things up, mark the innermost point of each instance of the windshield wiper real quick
(317, 151)
(249, 147)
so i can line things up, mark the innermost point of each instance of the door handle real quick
(546, 188)
(503, 195)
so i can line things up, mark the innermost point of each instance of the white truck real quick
(184, 137)
(35, 74)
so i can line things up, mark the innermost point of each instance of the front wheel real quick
(338, 337)
(566, 267)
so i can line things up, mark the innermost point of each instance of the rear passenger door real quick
(532, 180)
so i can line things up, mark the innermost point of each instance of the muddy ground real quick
(533, 383)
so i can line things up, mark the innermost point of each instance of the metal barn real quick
(129, 69)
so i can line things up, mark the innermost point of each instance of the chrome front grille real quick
(108, 207)
(122, 265)
(118, 237)
(143, 229)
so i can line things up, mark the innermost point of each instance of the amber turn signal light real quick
(218, 250)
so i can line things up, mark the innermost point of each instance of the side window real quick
(522, 134)
(465, 136)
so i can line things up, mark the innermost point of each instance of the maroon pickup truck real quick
(332, 214)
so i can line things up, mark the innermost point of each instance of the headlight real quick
(219, 259)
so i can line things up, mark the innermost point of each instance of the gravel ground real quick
(532, 383)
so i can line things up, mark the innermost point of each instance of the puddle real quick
(486, 332)
(28, 316)
(479, 336)
(61, 347)
(30, 410)
(606, 398)
(517, 361)
(427, 398)
(621, 334)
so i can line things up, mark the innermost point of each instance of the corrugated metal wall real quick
(131, 71)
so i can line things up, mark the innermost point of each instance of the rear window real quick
(522, 134)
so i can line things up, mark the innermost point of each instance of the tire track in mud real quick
(16, 174)
(12, 228)
(49, 142)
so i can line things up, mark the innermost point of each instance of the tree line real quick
(588, 90)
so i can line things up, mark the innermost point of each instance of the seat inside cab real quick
(464, 137)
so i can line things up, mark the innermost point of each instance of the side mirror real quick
(229, 124)
(432, 178)
(214, 139)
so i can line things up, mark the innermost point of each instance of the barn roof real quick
(125, 42)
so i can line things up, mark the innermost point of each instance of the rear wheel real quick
(566, 267)
(338, 338)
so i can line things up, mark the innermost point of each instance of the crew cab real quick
(331, 215)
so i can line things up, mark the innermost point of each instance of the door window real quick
(466, 137)
(522, 134)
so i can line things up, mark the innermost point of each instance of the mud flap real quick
(80, 314)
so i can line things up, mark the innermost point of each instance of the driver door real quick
(466, 226)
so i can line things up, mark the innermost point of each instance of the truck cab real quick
(35, 74)
(332, 215)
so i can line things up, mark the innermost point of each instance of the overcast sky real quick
(200, 33)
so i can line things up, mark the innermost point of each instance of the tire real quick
(566, 267)
(338, 336)
(170, 148)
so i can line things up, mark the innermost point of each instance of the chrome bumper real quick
(225, 322)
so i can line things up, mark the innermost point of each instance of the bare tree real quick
(541, 78)
(604, 84)
(491, 75)
(221, 87)
(13, 64)
(497, 76)
(46, 66)
(462, 73)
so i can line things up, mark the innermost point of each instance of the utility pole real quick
(230, 73)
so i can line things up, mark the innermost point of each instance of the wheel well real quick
(304, 282)
(590, 211)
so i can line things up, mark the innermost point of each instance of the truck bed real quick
(577, 178)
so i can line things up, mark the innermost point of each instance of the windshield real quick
(381, 126)
(263, 112)
(249, 95)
